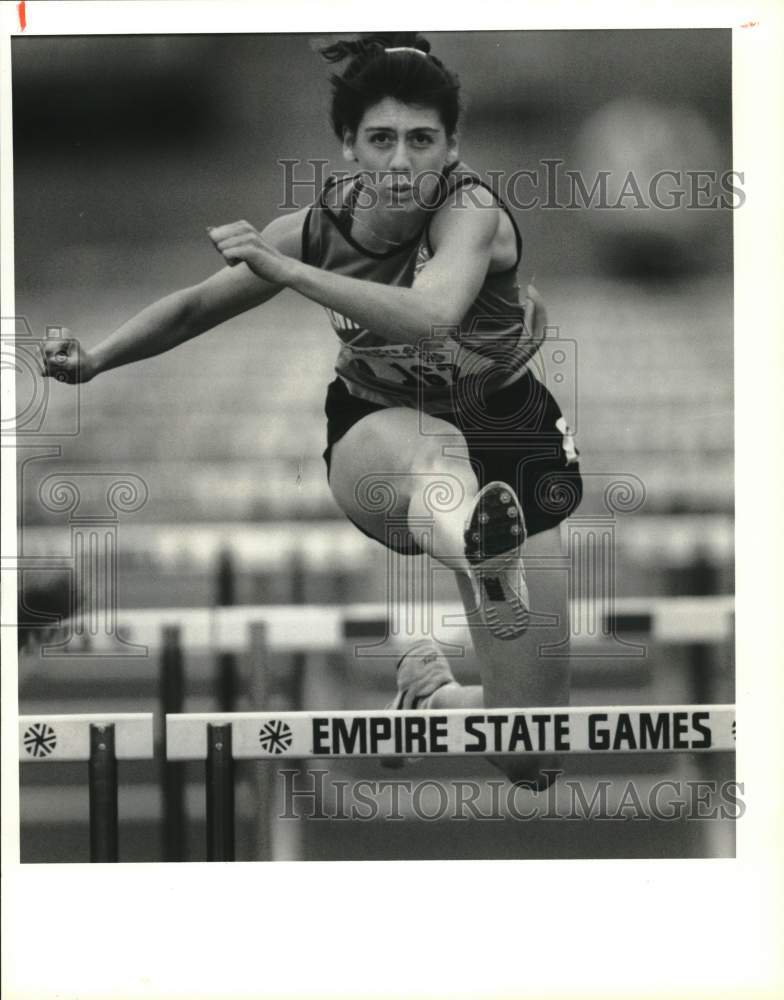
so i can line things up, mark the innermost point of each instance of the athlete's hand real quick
(239, 241)
(66, 360)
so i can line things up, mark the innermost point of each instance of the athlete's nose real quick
(400, 162)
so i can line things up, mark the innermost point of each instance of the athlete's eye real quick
(380, 139)
(422, 139)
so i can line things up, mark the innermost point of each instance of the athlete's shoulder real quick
(473, 209)
(466, 187)
(465, 202)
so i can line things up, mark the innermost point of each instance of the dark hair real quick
(374, 73)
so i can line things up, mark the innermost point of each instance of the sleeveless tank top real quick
(491, 346)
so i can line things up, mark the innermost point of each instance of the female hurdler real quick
(433, 407)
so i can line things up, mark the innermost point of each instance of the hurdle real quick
(661, 538)
(228, 630)
(101, 741)
(220, 739)
(328, 627)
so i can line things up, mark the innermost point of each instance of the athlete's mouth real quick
(401, 190)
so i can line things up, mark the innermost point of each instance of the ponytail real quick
(371, 46)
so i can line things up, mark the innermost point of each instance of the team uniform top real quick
(494, 341)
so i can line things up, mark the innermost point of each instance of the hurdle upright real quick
(101, 741)
(221, 738)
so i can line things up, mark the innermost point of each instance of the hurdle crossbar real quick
(221, 738)
(100, 740)
(458, 732)
(665, 539)
(326, 627)
(47, 739)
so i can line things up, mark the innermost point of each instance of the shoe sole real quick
(496, 526)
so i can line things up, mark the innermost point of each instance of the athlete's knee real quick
(369, 474)
(439, 505)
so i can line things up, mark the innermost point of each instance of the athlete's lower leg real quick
(425, 682)
(514, 671)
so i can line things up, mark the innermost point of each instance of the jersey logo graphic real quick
(342, 324)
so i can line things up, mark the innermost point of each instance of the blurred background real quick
(126, 148)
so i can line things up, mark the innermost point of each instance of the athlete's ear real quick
(452, 155)
(348, 146)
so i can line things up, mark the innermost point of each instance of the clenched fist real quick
(240, 241)
(66, 361)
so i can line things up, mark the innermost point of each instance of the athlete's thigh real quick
(390, 455)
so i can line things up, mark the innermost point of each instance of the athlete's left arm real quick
(441, 295)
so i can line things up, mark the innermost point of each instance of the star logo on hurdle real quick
(275, 736)
(40, 740)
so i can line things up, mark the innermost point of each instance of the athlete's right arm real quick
(177, 317)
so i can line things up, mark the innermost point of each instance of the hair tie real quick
(407, 48)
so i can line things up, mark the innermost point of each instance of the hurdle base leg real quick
(220, 793)
(102, 767)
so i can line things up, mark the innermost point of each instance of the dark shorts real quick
(512, 437)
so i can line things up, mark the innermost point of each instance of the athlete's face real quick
(402, 148)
